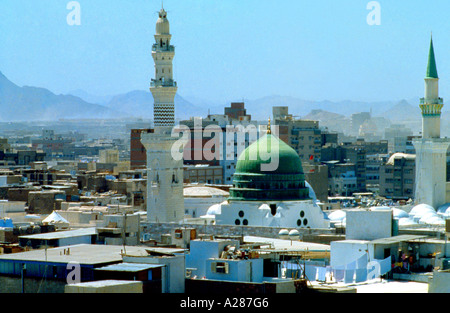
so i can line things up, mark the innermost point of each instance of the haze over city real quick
(228, 50)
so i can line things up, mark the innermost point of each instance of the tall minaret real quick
(431, 150)
(163, 87)
(165, 202)
(431, 104)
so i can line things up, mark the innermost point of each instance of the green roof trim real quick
(431, 67)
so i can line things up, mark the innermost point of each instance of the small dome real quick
(444, 209)
(406, 221)
(436, 220)
(380, 208)
(283, 232)
(338, 215)
(215, 209)
(420, 209)
(294, 233)
(398, 213)
(162, 24)
(312, 193)
(204, 192)
(426, 217)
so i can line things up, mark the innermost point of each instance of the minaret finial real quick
(268, 128)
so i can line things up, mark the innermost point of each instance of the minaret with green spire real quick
(431, 149)
(431, 67)
(431, 105)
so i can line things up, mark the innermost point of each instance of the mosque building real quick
(276, 198)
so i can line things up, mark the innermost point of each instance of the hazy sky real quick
(230, 49)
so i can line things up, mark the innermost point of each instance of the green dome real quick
(258, 177)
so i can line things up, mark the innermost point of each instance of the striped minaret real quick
(163, 87)
(165, 201)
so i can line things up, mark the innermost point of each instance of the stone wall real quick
(9, 284)
(155, 230)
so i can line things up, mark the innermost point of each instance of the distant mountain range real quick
(33, 103)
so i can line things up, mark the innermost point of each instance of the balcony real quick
(439, 101)
(160, 83)
(155, 48)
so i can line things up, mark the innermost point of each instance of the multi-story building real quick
(397, 177)
(203, 174)
(304, 136)
(138, 155)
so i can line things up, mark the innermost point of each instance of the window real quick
(220, 267)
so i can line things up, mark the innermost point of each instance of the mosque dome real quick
(444, 209)
(398, 213)
(337, 215)
(162, 24)
(420, 209)
(254, 179)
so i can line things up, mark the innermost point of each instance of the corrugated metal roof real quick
(129, 267)
(396, 239)
(62, 234)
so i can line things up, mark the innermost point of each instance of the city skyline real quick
(228, 50)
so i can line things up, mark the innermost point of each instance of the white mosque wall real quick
(368, 225)
(293, 214)
(197, 207)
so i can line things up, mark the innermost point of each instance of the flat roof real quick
(129, 267)
(287, 244)
(88, 254)
(62, 234)
(109, 282)
(396, 239)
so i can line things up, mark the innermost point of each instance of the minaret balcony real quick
(160, 83)
(435, 101)
(157, 48)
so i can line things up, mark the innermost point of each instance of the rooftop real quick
(88, 254)
(129, 267)
(62, 234)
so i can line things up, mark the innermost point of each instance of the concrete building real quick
(203, 174)
(109, 156)
(173, 267)
(55, 265)
(394, 133)
(237, 111)
(138, 155)
(397, 177)
(304, 136)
